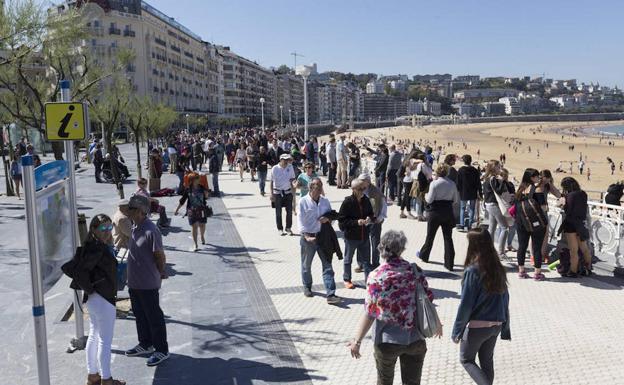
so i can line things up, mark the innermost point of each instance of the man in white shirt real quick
(282, 176)
(312, 207)
(342, 157)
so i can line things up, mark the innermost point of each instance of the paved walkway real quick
(236, 313)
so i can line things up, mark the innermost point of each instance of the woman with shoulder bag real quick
(483, 311)
(573, 226)
(493, 188)
(197, 210)
(531, 223)
(391, 310)
(546, 186)
(96, 275)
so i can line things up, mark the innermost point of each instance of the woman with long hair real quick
(573, 226)
(195, 197)
(531, 223)
(96, 275)
(546, 186)
(492, 186)
(483, 311)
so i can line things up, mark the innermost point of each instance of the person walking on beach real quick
(483, 311)
(581, 165)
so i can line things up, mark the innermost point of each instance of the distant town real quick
(174, 66)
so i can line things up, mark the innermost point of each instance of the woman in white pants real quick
(96, 275)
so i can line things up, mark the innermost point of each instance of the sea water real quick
(617, 129)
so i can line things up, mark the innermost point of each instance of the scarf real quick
(391, 293)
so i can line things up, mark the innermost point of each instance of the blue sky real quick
(564, 39)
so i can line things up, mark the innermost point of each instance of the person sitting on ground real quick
(155, 206)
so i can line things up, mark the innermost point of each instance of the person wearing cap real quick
(355, 214)
(342, 156)
(146, 270)
(380, 213)
(282, 176)
(122, 226)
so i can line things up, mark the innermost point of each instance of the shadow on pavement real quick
(171, 272)
(187, 370)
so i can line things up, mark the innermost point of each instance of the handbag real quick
(504, 204)
(426, 314)
(207, 211)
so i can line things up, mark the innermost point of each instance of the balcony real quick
(114, 31)
(160, 42)
(129, 33)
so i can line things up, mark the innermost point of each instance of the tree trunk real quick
(138, 152)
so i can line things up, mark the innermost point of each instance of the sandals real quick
(523, 275)
(539, 277)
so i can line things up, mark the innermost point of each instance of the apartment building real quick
(245, 82)
(383, 107)
(172, 65)
(485, 93)
(512, 105)
(288, 96)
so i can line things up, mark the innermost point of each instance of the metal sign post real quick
(38, 308)
(80, 341)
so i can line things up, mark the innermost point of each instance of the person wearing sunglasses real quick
(96, 275)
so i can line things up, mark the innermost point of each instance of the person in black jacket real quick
(96, 275)
(381, 166)
(615, 193)
(469, 187)
(574, 225)
(356, 213)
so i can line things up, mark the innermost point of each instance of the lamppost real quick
(281, 116)
(305, 71)
(262, 111)
(187, 124)
(290, 117)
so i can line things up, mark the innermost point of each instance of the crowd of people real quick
(410, 175)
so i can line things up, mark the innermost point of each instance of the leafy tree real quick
(40, 49)
(284, 69)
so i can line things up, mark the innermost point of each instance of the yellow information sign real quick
(65, 121)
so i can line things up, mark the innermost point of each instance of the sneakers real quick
(281, 232)
(157, 358)
(94, 379)
(307, 292)
(402, 216)
(333, 300)
(139, 351)
(349, 285)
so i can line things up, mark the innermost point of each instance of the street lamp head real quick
(304, 70)
(187, 115)
(261, 100)
(281, 107)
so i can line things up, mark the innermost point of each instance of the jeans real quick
(262, 175)
(479, 341)
(285, 201)
(323, 161)
(469, 205)
(101, 326)
(375, 237)
(412, 357)
(363, 256)
(381, 182)
(419, 205)
(392, 184)
(510, 236)
(537, 237)
(215, 183)
(98, 171)
(406, 200)
(173, 160)
(308, 249)
(180, 188)
(331, 173)
(150, 320)
(496, 218)
(436, 219)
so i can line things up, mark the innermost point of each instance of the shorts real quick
(252, 165)
(581, 230)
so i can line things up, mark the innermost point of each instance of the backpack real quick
(530, 214)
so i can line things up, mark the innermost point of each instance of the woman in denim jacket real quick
(483, 311)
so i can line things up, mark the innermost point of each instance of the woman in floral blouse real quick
(195, 197)
(391, 311)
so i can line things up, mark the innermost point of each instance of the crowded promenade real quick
(236, 309)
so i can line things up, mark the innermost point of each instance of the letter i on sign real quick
(64, 122)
